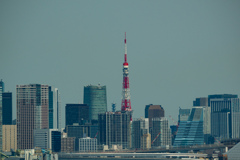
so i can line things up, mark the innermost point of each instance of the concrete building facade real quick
(47, 139)
(87, 144)
(9, 138)
(222, 115)
(1, 91)
(140, 130)
(153, 111)
(32, 112)
(161, 132)
(115, 129)
(68, 144)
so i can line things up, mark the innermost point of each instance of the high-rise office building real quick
(76, 113)
(161, 133)
(221, 115)
(153, 111)
(6, 108)
(96, 98)
(140, 128)
(192, 131)
(32, 112)
(54, 108)
(235, 110)
(220, 96)
(1, 91)
(203, 101)
(115, 129)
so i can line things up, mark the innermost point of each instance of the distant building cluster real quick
(90, 127)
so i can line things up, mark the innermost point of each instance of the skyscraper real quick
(54, 108)
(1, 91)
(115, 129)
(221, 115)
(161, 132)
(140, 129)
(235, 109)
(192, 130)
(153, 111)
(32, 112)
(76, 113)
(96, 98)
(6, 108)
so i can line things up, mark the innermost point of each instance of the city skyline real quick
(176, 50)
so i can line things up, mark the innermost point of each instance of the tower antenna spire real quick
(126, 102)
(125, 44)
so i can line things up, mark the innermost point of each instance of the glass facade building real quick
(7, 108)
(191, 132)
(222, 116)
(76, 113)
(96, 98)
(56, 141)
(82, 131)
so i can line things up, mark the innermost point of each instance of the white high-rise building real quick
(54, 108)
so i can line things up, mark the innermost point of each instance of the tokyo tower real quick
(126, 102)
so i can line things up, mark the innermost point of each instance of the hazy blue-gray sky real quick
(177, 50)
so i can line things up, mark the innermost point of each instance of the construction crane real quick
(96, 135)
(156, 137)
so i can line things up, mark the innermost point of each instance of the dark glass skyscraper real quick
(7, 108)
(96, 98)
(76, 113)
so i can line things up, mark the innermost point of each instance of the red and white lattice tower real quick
(126, 102)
